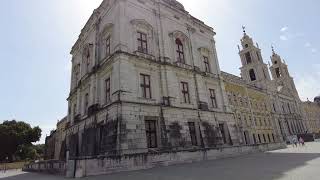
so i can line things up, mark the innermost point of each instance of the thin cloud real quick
(308, 86)
(307, 44)
(283, 37)
(314, 50)
(284, 29)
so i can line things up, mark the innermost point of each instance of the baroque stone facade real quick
(146, 80)
(312, 116)
(265, 109)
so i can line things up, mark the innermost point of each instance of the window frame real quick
(88, 55)
(108, 46)
(206, 64)
(193, 133)
(248, 57)
(107, 90)
(252, 75)
(74, 111)
(145, 85)
(213, 98)
(180, 51)
(151, 133)
(278, 72)
(142, 42)
(185, 92)
(86, 103)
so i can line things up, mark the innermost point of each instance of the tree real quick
(14, 136)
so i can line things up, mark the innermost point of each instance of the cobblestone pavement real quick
(302, 163)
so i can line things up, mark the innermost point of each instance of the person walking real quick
(295, 142)
(301, 140)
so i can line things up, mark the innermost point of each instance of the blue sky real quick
(37, 37)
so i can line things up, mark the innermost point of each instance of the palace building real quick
(146, 89)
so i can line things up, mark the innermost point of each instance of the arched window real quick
(252, 75)
(179, 50)
(248, 58)
(87, 57)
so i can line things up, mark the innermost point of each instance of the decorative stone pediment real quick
(141, 23)
(204, 50)
(180, 35)
(107, 29)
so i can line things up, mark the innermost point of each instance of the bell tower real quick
(280, 73)
(253, 69)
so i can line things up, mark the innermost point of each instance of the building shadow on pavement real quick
(32, 176)
(263, 166)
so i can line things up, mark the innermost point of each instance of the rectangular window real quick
(213, 98)
(142, 42)
(245, 134)
(289, 108)
(259, 137)
(108, 46)
(258, 56)
(74, 111)
(248, 58)
(273, 138)
(206, 64)
(180, 51)
(274, 108)
(108, 90)
(185, 92)
(223, 133)
(76, 71)
(278, 72)
(145, 85)
(254, 138)
(269, 139)
(88, 62)
(151, 133)
(193, 135)
(86, 103)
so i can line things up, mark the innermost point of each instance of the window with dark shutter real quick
(151, 133)
(258, 55)
(108, 90)
(185, 92)
(252, 75)
(142, 43)
(206, 64)
(108, 46)
(86, 103)
(213, 98)
(180, 51)
(254, 138)
(193, 135)
(273, 138)
(145, 85)
(248, 58)
(74, 111)
(88, 60)
(278, 72)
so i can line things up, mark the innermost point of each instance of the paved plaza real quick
(302, 163)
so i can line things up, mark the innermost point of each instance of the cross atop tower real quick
(244, 29)
(273, 52)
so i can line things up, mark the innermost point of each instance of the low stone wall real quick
(107, 165)
(50, 166)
